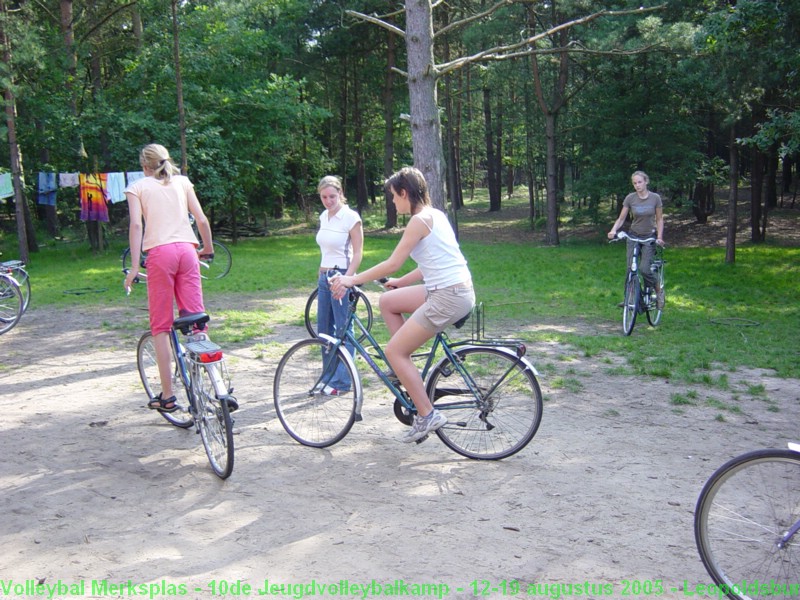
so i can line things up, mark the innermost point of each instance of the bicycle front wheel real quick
(505, 416)
(631, 304)
(11, 303)
(148, 372)
(745, 524)
(214, 420)
(308, 414)
(220, 265)
(653, 312)
(363, 312)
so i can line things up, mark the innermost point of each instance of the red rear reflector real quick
(209, 357)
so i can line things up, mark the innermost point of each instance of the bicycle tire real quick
(309, 416)
(744, 509)
(214, 421)
(220, 266)
(363, 311)
(653, 312)
(10, 304)
(630, 306)
(148, 372)
(512, 413)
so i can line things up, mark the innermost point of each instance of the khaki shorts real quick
(445, 306)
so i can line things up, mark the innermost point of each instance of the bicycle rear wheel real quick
(220, 265)
(310, 416)
(11, 302)
(741, 522)
(214, 420)
(631, 304)
(653, 312)
(148, 372)
(363, 311)
(506, 416)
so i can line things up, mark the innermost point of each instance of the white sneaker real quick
(200, 336)
(422, 426)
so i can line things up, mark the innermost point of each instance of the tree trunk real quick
(25, 231)
(176, 57)
(426, 131)
(733, 199)
(388, 132)
(756, 187)
(492, 176)
(551, 176)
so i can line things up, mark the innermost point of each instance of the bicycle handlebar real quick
(621, 235)
(135, 280)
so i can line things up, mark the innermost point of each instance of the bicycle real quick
(217, 265)
(16, 269)
(486, 387)
(363, 308)
(639, 298)
(199, 366)
(747, 521)
(11, 303)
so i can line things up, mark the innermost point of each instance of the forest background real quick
(259, 98)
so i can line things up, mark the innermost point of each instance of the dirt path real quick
(99, 490)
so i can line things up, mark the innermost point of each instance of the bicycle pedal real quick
(422, 439)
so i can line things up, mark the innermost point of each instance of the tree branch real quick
(507, 51)
(475, 17)
(377, 21)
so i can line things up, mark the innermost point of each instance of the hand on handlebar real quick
(339, 285)
(131, 277)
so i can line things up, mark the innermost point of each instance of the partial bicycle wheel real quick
(308, 414)
(148, 371)
(653, 312)
(506, 416)
(630, 306)
(363, 311)
(20, 275)
(214, 420)
(11, 302)
(220, 265)
(746, 521)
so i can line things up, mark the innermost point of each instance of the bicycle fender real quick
(349, 360)
(505, 350)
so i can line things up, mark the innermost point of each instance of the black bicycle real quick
(639, 298)
(363, 310)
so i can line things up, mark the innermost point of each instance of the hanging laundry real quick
(47, 188)
(6, 185)
(68, 180)
(134, 175)
(94, 205)
(115, 186)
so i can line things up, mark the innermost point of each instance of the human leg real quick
(398, 350)
(166, 401)
(161, 272)
(187, 284)
(325, 321)
(644, 266)
(394, 304)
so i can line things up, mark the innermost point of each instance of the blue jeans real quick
(332, 315)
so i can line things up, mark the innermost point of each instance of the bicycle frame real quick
(440, 341)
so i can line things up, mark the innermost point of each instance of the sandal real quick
(160, 404)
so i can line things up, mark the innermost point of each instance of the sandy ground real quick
(102, 495)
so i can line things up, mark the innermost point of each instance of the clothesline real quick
(96, 190)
